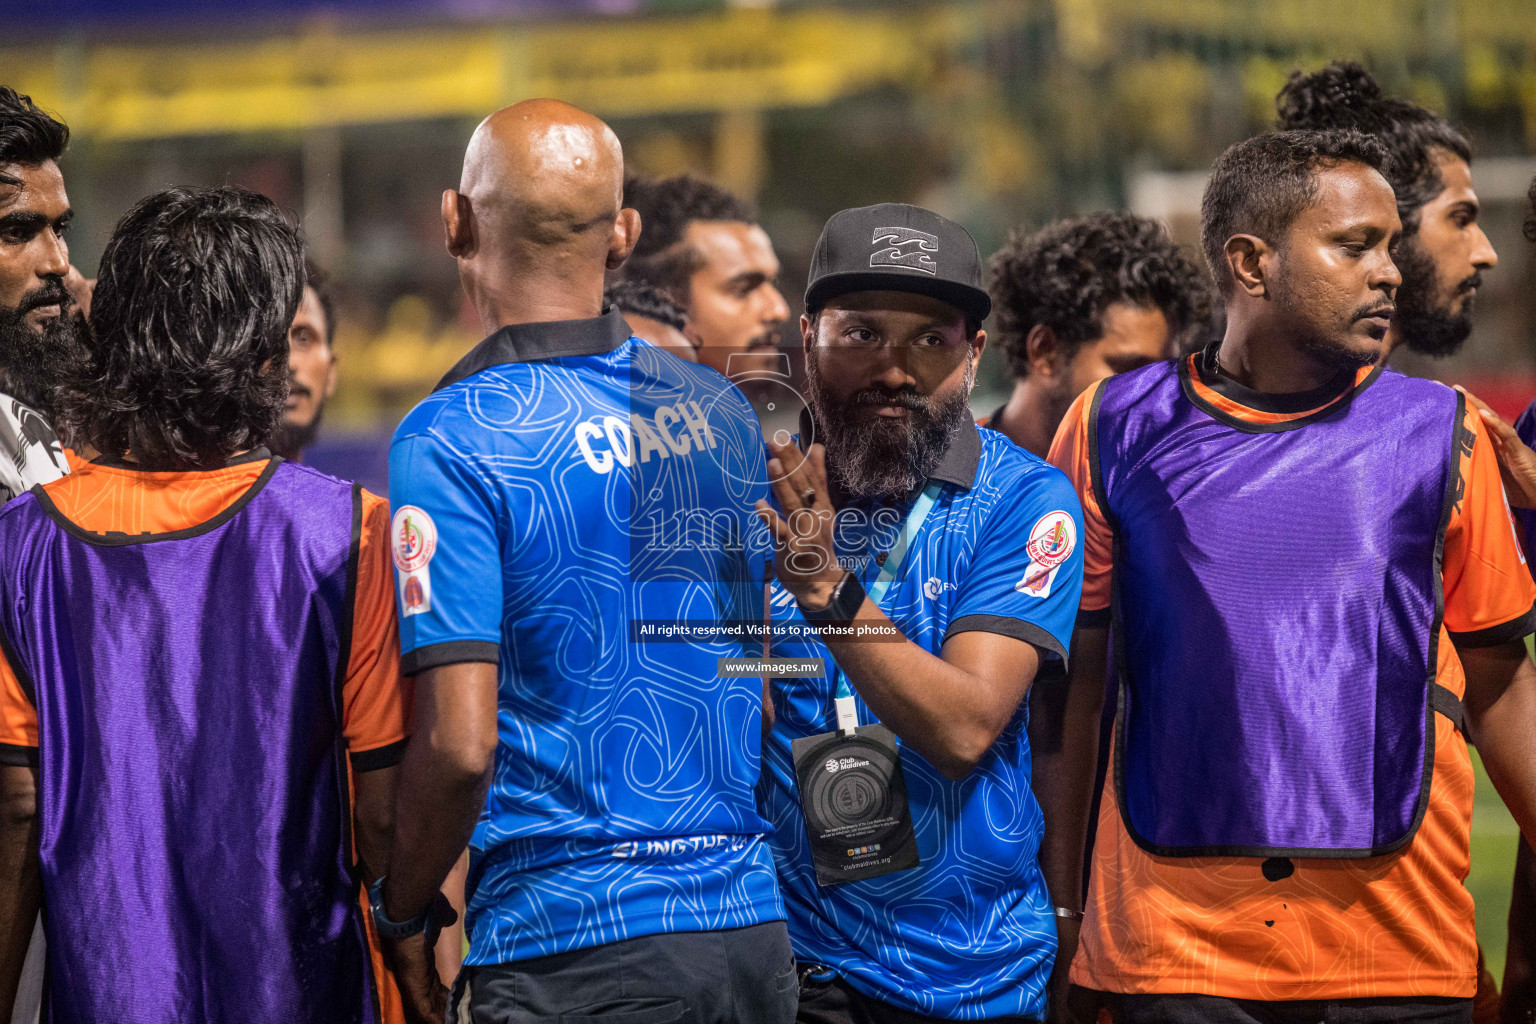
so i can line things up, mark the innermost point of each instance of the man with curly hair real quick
(1073, 303)
(1444, 251)
(703, 247)
(201, 706)
(1081, 300)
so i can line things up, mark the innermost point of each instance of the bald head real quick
(540, 194)
(543, 172)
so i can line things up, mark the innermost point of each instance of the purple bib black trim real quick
(1276, 605)
(193, 807)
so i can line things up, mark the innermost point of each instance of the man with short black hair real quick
(1444, 251)
(1315, 591)
(40, 324)
(311, 366)
(703, 247)
(933, 569)
(1080, 300)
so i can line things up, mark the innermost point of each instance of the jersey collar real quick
(958, 466)
(550, 339)
(1208, 369)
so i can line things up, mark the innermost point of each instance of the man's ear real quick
(330, 376)
(458, 224)
(1245, 261)
(979, 343)
(626, 232)
(807, 332)
(1042, 349)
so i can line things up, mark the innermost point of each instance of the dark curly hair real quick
(1066, 275)
(666, 209)
(187, 356)
(1344, 95)
(27, 135)
(1529, 227)
(643, 300)
(1261, 185)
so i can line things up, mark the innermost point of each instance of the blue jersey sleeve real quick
(445, 540)
(1026, 574)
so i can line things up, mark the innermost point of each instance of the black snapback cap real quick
(894, 247)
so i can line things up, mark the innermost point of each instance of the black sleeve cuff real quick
(1514, 629)
(17, 756)
(379, 757)
(1093, 618)
(1004, 625)
(451, 653)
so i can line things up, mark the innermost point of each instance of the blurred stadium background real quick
(997, 113)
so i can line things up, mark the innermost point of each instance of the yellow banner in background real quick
(324, 75)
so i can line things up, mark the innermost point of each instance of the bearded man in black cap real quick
(932, 569)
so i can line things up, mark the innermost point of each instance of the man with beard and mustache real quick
(311, 367)
(1315, 593)
(933, 569)
(40, 327)
(1444, 251)
(1517, 462)
(39, 321)
(703, 247)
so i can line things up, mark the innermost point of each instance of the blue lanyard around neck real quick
(847, 714)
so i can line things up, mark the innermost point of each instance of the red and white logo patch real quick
(412, 543)
(1051, 542)
(413, 538)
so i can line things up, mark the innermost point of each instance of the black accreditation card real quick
(854, 800)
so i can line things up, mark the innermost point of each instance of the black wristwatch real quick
(847, 599)
(395, 929)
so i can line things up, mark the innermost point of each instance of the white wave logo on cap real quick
(905, 247)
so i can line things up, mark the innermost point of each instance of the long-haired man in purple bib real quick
(201, 706)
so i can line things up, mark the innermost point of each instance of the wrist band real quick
(846, 601)
(1069, 913)
(395, 929)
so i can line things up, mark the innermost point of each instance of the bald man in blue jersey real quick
(566, 488)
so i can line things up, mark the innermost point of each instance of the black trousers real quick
(834, 1001)
(742, 975)
(1195, 1009)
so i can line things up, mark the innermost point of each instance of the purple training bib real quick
(1276, 609)
(193, 808)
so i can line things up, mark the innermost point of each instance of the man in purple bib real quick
(1304, 583)
(201, 705)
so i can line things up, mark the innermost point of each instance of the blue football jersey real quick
(970, 932)
(566, 491)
